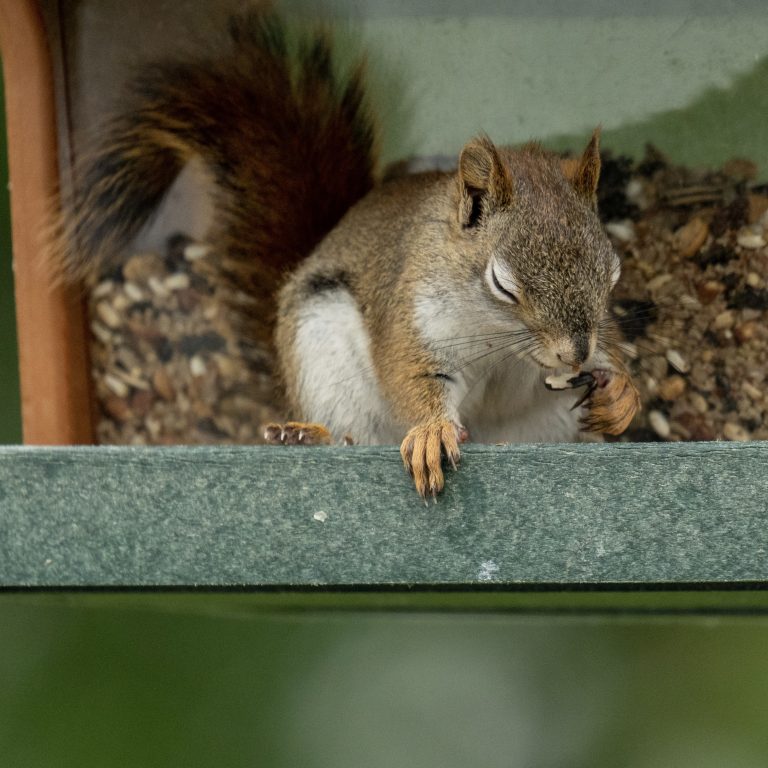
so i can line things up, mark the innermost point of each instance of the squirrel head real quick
(530, 219)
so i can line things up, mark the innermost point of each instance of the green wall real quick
(689, 76)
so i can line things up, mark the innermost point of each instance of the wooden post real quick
(53, 360)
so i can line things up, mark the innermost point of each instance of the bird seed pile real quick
(693, 297)
(170, 367)
(168, 363)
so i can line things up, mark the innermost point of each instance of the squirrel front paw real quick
(422, 451)
(297, 433)
(611, 403)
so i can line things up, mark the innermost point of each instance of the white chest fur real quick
(496, 394)
(493, 388)
(337, 380)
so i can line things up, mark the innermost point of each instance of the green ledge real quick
(534, 527)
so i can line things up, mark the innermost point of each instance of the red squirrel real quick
(424, 311)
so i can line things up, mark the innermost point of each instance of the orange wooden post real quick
(53, 359)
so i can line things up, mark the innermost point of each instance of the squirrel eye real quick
(507, 290)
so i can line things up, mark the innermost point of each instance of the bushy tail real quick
(289, 147)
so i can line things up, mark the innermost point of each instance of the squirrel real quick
(425, 310)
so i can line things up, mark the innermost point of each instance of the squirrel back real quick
(289, 147)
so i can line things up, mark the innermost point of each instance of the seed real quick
(153, 427)
(117, 408)
(659, 423)
(735, 432)
(677, 361)
(101, 333)
(709, 291)
(163, 385)
(120, 388)
(197, 366)
(671, 388)
(744, 332)
(132, 380)
(621, 230)
(723, 320)
(177, 282)
(752, 391)
(226, 366)
(107, 314)
(658, 282)
(104, 288)
(158, 288)
(750, 241)
(133, 292)
(196, 251)
(698, 402)
(689, 302)
(635, 193)
(690, 237)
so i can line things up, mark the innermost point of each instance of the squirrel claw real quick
(422, 451)
(591, 386)
(297, 433)
(613, 401)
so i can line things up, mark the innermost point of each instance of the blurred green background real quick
(172, 680)
(123, 680)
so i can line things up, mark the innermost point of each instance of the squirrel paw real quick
(297, 433)
(611, 403)
(422, 451)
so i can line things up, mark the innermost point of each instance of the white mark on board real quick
(488, 571)
(600, 549)
(321, 516)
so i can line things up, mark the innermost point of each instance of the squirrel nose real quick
(581, 349)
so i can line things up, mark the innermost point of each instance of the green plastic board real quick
(520, 517)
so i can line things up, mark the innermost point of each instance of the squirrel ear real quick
(484, 181)
(586, 172)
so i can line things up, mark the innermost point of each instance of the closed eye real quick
(499, 287)
(506, 290)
